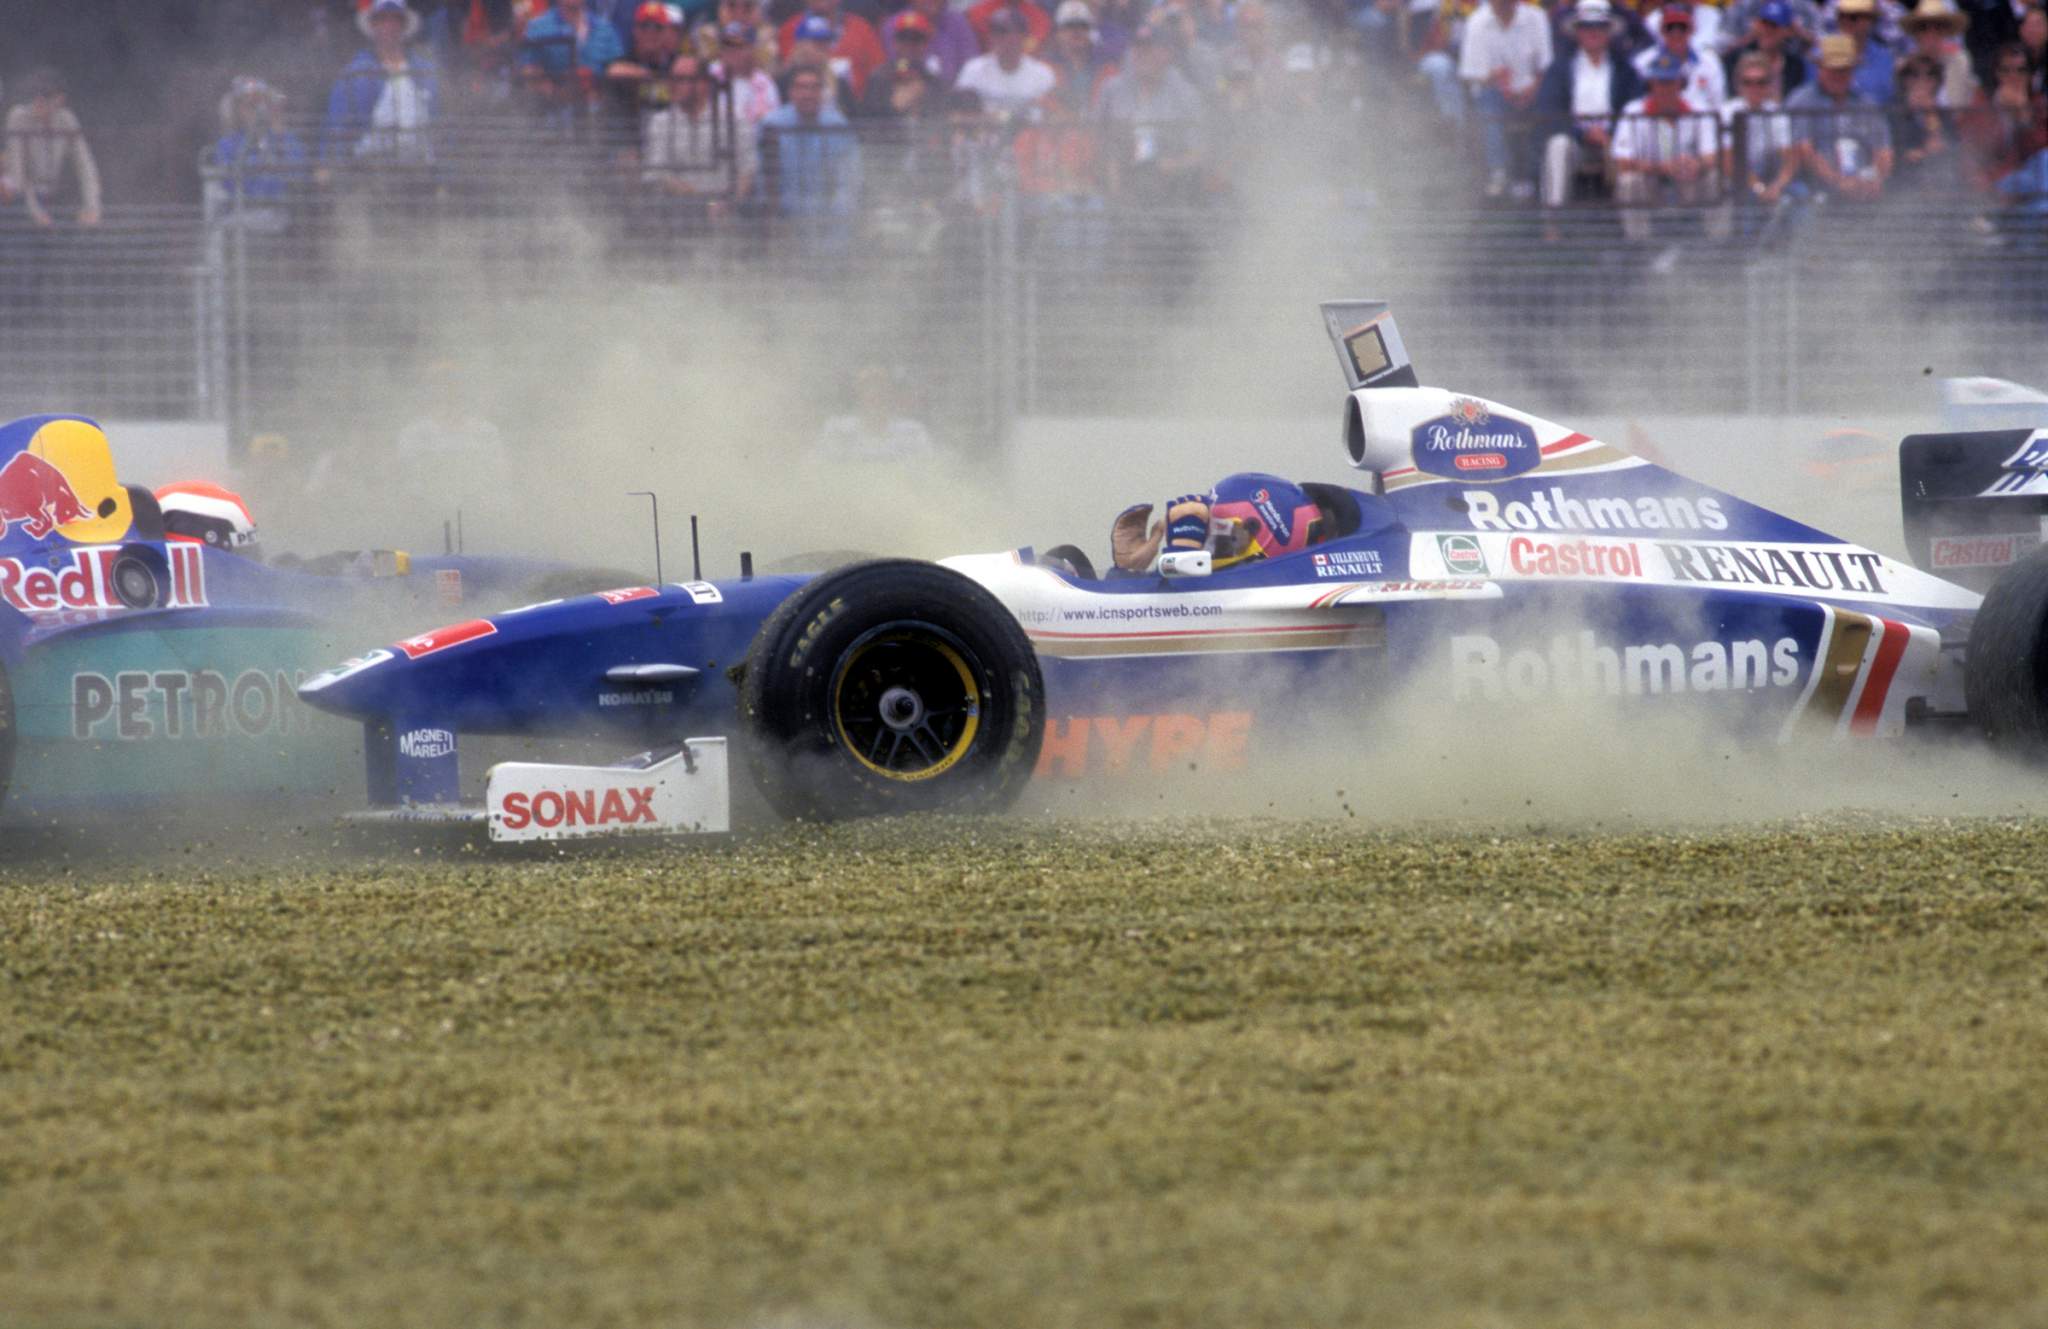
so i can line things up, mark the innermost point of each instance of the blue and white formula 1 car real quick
(1483, 554)
(140, 671)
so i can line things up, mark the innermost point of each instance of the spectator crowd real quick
(1756, 112)
(1748, 113)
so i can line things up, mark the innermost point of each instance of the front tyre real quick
(2005, 671)
(891, 686)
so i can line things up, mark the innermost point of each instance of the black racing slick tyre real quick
(2005, 670)
(891, 686)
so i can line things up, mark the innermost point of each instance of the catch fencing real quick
(1005, 267)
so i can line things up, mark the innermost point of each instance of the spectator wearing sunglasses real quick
(1759, 152)
(1934, 28)
(1924, 132)
(2008, 124)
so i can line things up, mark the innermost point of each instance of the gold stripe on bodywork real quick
(1839, 667)
(1355, 636)
(1603, 455)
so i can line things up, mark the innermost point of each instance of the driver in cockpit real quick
(1247, 516)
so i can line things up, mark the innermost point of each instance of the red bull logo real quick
(36, 495)
(83, 579)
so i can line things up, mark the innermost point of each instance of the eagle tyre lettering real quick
(890, 686)
(2005, 674)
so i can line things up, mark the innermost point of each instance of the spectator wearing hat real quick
(908, 87)
(49, 165)
(1037, 23)
(1935, 29)
(1843, 139)
(1005, 78)
(1075, 60)
(1706, 85)
(383, 106)
(1771, 36)
(950, 46)
(1875, 72)
(1582, 92)
(1664, 148)
(1505, 53)
(565, 50)
(853, 49)
(258, 166)
(1709, 17)
(754, 94)
(708, 25)
(812, 49)
(1759, 152)
(1155, 141)
(812, 163)
(637, 85)
(1806, 21)
(909, 165)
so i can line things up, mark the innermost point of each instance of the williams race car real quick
(1484, 555)
(146, 666)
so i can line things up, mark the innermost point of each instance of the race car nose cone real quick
(351, 686)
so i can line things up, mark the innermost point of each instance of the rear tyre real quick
(2005, 671)
(891, 686)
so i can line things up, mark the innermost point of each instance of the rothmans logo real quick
(1469, 442)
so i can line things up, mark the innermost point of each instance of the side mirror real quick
(1186, 563)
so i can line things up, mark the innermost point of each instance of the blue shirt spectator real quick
(817, 159)
(256, 156)
(569, 37)
(383, 104)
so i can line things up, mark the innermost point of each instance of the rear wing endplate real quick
(1369, 346)
(1973, 503)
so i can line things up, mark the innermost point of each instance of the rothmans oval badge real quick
(1472, 444)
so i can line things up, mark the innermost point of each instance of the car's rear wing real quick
(1974, 503)
(1368, 344)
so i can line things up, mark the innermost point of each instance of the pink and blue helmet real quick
(1279, 516)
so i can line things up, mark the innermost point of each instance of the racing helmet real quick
(1255, 515)
(209, 514)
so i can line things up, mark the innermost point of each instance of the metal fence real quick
(1002, 266)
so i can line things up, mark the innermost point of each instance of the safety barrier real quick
(991, 263)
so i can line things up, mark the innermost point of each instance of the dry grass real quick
(1035, 1074)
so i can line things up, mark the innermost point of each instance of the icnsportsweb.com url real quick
(1121, 613)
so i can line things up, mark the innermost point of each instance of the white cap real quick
(1593, 11)
(1073, 11)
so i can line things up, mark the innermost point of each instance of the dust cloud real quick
(709, 391)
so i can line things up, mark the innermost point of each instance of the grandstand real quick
(1003, 255)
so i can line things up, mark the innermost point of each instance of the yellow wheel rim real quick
(905, 703)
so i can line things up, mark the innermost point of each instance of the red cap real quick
(655, 11)
(912, 21)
